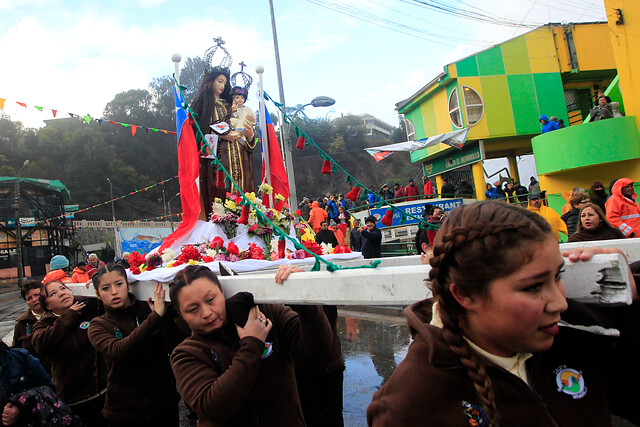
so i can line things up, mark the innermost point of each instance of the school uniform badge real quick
(84, 325)
(117, 332)
(475, 414)
(267, 350)
(570, 381)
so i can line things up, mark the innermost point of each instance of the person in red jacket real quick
(411, 190)
(398, 193)
(428, 187)
(623, 211)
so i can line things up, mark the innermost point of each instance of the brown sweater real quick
(22, 336)
(233, 382)
(601, 233)
(76, 370)
(140, 384)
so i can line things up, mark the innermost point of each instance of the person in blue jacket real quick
(492, 192)
(548, 125)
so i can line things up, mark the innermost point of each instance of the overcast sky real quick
(75, 56)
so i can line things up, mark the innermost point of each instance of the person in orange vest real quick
(80, 273)
(58, 267)
(623, 211)
(316, 216)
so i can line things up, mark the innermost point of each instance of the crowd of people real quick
(498, 325)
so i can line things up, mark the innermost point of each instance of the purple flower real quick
(233, 258)
(221, 257)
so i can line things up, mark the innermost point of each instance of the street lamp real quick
(113, 217)
(318, 101)
(169, 205)
(18, 229)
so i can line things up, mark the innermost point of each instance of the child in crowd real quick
(498, 344)
(236, 368)
(61, 337)
(141, 389)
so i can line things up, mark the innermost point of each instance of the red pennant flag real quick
(387, 219)
(300, 143)
(353, 194)
(133, 130)
(326, 167)
(54, 113)
(381, 155)
(113, 123)
(22, 104)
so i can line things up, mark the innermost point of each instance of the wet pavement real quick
(372, 350)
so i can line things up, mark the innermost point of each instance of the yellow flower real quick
(280, 197)
(143, 268)
(218, 200)
(230, 204)
(276, 214)
(193, 262)
(251, 196)
(170, 264)
(266, 188)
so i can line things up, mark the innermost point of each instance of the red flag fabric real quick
(188, 169)
(326, 167)
(300, 143)
(387, 219)
(279, 179)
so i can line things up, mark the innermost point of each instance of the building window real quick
(473, 105)
(411, 129)
(454, 109)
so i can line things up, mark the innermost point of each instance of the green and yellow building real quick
(501, 92)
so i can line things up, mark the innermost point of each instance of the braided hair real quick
(475, 245)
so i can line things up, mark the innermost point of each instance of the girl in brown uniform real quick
(500, 344)
(141, 389)
(239, 372)
(61, 337)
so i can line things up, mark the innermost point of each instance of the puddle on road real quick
(371, 351)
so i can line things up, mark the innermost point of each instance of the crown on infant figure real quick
(226, 62)
(246, 78)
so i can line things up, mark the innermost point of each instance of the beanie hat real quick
(59, 262)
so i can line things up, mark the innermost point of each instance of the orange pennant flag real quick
(2, 103)
(133, 130)
(22, 104)
(165, 132)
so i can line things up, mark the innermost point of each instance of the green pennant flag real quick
(38, 108)
(124, 124)
(87, 119)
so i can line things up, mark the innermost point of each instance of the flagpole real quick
(263, 131)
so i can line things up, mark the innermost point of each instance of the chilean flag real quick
(279, 180)
(188, 169)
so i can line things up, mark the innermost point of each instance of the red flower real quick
(134, 270)
(207, 259)
(232, 249)
(298, 212)
(341, 250)
(217, 243)
(150, 267)
(136, 260)
(189, 252)
(253, 228)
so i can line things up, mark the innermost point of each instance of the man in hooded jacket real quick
(548, 125)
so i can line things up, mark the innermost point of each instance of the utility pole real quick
(288, 159)
(18, 229)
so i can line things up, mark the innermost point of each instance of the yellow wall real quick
(593, 46)
(542, 51)
(625, 42)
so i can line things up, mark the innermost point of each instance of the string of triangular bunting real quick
(88, 119)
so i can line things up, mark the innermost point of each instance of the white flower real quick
(253, 218)
(217, 209)
(326, 248)
(274, 244)
(211, 252)
(168, 255)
